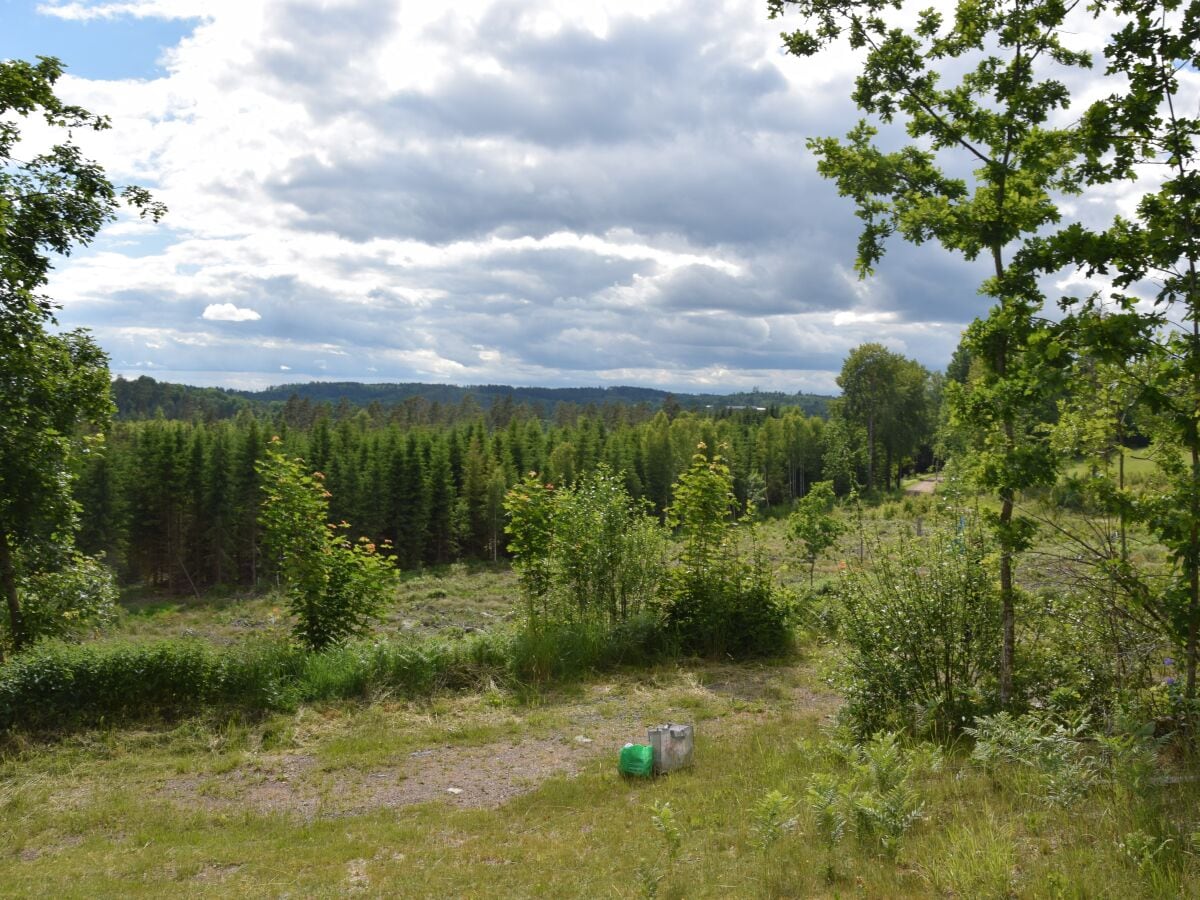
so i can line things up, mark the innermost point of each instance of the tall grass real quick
(60, 685)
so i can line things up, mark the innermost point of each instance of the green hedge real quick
(58, 685)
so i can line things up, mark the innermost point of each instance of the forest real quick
(938, 635)
(175, 504)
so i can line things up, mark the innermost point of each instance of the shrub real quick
(874, 798)
(586, 555)
(80, 595)
(58, 685)
(719, 602)
(335, 587)
(55, 683)
(920, 631)
(560, 652)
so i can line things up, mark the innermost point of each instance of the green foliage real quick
(530, 528)
(1142, 850)
(586, 554)
(874, 797)
(919, 627)
(560, 652)
(966, 85)
(53, 387)
(174, 504)
(667, 825)
(81, 595)
(813, 525)
(771, 817)
(721, 602)
(1066, 756)
(336, 587)
(55, 684)
(886, 397)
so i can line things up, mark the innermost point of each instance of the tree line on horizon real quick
(425, 404)
(174, 504)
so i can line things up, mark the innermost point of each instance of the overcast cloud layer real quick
(525, 192)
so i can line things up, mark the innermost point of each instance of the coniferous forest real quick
(174, 504)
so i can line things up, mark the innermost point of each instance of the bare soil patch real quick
(924, 486)
(490, 774)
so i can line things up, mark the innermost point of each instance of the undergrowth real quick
(62, 685)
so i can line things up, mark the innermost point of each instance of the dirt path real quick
(924, 486)
(584, 732)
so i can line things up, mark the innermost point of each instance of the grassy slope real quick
(168, 812)
(321, 802)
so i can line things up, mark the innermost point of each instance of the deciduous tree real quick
(977, 88)
(52, 386)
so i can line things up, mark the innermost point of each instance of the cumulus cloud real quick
(522, 191)
(227, 312)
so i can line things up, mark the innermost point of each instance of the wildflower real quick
(1168, 661)
(1168, 681)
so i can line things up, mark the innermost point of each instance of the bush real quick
(920, 630)
(56, 683)
(81, 595)
(587, 555)
(60, 685)
(335, 587)
(570, 651)
(719, 602)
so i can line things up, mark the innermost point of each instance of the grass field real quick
(487, 795)
(514, 792)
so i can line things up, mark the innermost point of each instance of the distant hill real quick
(145, 397)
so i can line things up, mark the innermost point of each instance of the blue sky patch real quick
(118, 48)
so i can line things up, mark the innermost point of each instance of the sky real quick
(530, 192)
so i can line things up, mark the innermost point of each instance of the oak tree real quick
(53, 386)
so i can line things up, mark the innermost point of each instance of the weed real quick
(772, 818)
(874, 798)
(667, 826)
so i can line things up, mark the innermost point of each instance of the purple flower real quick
(1168, 681)
(1168, 661)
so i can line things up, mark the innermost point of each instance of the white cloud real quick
(159, 9)
(227, 312)
(587, 192)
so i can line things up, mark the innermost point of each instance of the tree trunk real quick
(1007, 607)
(8, 581)
(871, 452)
(1008, 613)
(1193, 612)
